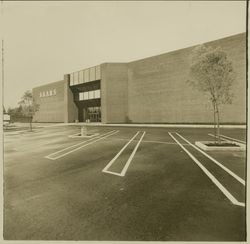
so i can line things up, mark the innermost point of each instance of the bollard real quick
(84, 131)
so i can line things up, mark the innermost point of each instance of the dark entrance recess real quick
(87, 109)
(93, 114)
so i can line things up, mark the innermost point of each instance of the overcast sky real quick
(45, 40)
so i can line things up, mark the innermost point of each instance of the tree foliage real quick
(211, 72)
(28, 106)
(16, 112)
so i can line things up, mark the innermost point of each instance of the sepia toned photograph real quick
(124, 120)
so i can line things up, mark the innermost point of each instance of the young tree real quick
(29, 106)
(211, 72)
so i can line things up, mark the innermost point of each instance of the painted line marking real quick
(75, 145)
(119, 153)
(111, 172)
(74, 134)
(223, 139)
(91, 142)
(227, 137)
(214, 160)
(210, 176)
(146, 141)
(161, 142)
(125, 168)
(132, 156)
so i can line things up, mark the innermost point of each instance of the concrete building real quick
(151, 90)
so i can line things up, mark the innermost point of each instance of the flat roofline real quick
(170, 52)
(48, 84)
(97, 65)
(189, 47)
(83, 69)
(114, 63)
(157, 55)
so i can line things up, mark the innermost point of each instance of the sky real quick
(44, 40)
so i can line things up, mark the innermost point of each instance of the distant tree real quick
(9, 110)
(211, 72)
(4, 111)
(28, 106)
(16, 112)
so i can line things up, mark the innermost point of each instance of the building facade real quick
(151, 90)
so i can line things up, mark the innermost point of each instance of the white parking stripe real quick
(75, 145)
(146, 141)
(99, 138)
(120, 152)
(75, 134)
(111, 172)
(162, 142)
(214, 160)
(210, 176)
(230, 138)
(131, 156)
(223, 139)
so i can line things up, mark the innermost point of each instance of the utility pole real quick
(2, 63)
(2, 54)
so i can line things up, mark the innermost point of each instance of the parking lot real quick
(123, 184)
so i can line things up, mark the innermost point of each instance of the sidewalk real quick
(45, 125)
(149, 125)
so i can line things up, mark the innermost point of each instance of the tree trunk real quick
(31, 123)
(218, 123)
(215, 136)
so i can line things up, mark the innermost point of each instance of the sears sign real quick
(48, 93)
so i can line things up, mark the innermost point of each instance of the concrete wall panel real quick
(151, 90)
(158, 91)
(71, 114)
(52, 108)
(114, 92)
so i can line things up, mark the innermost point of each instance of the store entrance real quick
(92, 114)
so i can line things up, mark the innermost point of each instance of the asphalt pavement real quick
(125, 184)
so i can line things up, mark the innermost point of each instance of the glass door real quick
(94, 114)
